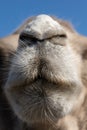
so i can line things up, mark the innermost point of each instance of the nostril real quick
(28, 39)
(63, 36)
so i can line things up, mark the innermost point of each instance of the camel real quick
(43, 76)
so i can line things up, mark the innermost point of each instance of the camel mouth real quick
(39, 91)
(45, 79)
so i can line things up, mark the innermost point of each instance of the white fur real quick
(42, 25)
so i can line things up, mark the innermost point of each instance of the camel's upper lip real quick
(39, 78)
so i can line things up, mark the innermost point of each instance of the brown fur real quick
(9, 118)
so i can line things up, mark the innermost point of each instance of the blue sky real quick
(14, 12)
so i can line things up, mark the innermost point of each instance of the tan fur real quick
(55, 66)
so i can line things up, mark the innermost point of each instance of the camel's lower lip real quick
(44, 82)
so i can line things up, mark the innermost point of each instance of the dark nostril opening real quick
(62, 36)
(28, 39)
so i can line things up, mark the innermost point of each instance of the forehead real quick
(65, 24)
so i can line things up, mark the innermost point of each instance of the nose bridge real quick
(42, 27)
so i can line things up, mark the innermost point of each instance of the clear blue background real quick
(14, 12)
